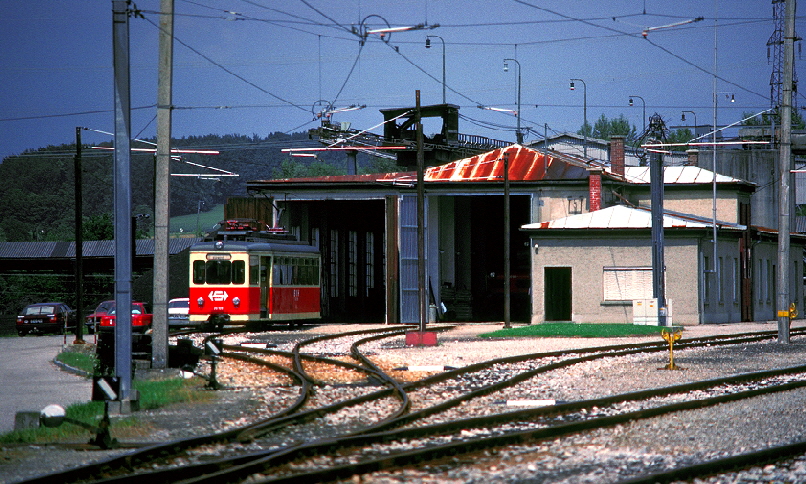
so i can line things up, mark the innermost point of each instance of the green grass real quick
(189, 223)
(153, 394)
(579, 330)
(81, 361)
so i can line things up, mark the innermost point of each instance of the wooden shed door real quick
(557, 293)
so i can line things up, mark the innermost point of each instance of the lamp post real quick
(643, 116)
(518, 134)
(683, 118)
(428, 46)
(584, 114)
(730, 96)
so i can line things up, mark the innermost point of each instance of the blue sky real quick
(273, 63)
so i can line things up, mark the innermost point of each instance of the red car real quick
(51, 317)
(141, 318)
(93, 321)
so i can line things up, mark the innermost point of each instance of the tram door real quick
(265, 261)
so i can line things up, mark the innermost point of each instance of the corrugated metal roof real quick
(525, 164)
(621, 217)
(91, 248)
(683, 175)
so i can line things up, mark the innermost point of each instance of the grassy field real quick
(188, 224)
(579, 330)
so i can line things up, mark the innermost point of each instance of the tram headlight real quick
(236, 301)
(200, 301)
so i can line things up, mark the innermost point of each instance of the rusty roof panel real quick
(525, 164)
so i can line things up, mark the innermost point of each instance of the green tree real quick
(767, 119)
(605, 128)
(683, 135)
(98, 227)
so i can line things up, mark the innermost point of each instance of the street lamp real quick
(644, 114)
(584, 114)
(518, 134)
(683, 118)
(428, 46)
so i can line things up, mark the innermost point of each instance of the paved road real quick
(29, 380)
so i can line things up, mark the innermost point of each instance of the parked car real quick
(141, 318)
(50, 317)
(178, 309)
(93, 321)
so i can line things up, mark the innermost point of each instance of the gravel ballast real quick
(609, 455)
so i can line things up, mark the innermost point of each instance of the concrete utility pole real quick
(421, 219)
(123, 199)
(785, 174)
(79, 242)
(507, 247)
(162, 183)
(656, 127)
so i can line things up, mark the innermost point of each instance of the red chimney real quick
(617, 155)
(595, 191)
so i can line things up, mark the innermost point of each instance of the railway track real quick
(417, 421)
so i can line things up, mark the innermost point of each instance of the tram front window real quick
(219, 272)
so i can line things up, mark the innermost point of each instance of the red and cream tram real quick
(240, 280)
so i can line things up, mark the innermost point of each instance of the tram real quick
(244, 276)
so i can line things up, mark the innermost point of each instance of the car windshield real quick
(179, 304)
(30, 310)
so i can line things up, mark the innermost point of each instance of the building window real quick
(627, 283)
(369, 262)
(333, 275)
(352, 263)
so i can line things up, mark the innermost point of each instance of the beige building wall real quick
(699, 202)
(587, 257)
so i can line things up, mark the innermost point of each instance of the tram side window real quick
(296, 271)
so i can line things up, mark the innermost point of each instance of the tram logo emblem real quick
(218, 296)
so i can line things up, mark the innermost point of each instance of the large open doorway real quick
(557, 293)
(479, 257)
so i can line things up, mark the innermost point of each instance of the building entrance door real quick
(557, 290)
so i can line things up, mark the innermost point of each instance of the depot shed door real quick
(557, 293)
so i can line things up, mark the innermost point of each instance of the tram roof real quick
(240, 245)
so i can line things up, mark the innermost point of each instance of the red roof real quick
(525, 164)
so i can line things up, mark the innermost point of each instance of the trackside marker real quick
(424, 368)
(530, 403)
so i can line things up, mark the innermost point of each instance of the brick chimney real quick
(594, 190)
(617, 155)
(693, 157)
